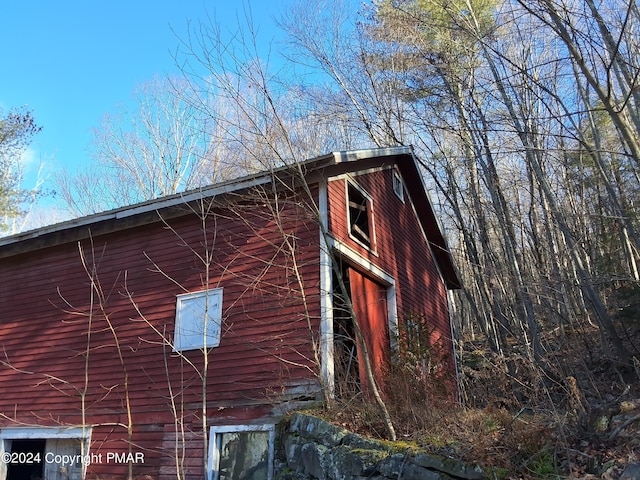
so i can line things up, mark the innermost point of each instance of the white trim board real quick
(21, 433)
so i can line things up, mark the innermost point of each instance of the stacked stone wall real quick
(310, 448)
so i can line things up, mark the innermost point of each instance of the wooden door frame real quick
(334, 249)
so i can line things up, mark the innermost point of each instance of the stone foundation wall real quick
(310, 448)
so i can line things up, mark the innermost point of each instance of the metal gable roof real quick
(311, 170)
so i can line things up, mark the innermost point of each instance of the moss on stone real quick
(369, 456)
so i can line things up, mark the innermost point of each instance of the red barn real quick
(165, 339)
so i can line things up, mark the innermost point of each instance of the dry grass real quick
(522, 421)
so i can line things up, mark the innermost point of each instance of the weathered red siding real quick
(55, 329)
(401, 250)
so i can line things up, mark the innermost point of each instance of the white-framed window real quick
(198, 320)
(398, 189)
(241, 452)
(360, 215)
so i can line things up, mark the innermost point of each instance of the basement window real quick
(198, 320)
(360, 215)
(35, 453)
(239, 452)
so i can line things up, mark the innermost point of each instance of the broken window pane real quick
(244, 456)
(359, 215)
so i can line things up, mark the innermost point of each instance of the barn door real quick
(63, 448)
(369, 300)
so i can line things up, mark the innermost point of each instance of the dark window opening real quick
(359, 215)
(30, 451)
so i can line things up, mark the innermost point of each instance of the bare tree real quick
(162, 147)
(528, 134)
(263, 127)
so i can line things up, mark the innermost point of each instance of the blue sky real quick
(73, 61)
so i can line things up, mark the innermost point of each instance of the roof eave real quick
(323, 166)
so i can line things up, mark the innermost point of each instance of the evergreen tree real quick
(17, 128)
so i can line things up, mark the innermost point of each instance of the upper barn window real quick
(198, 320)
(360, 213)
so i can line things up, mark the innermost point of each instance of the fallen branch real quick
(628, 422)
